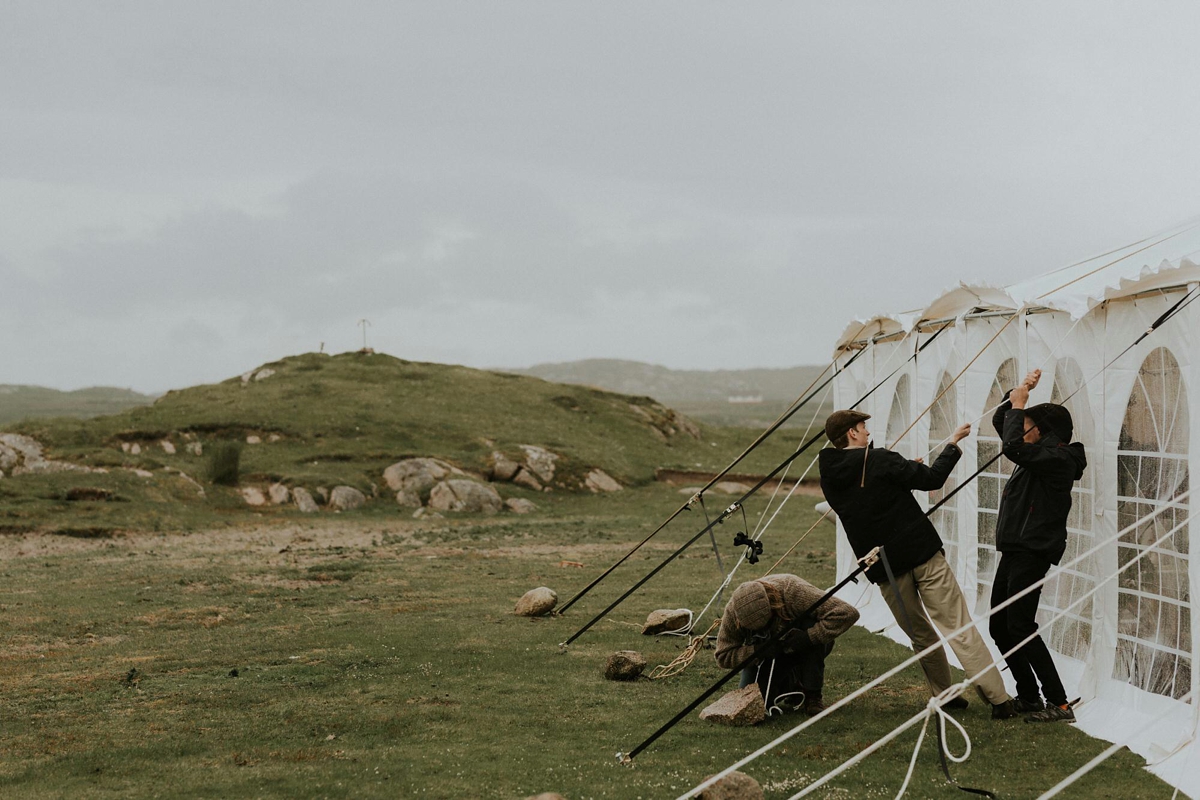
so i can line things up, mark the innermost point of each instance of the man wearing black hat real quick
(872, 493)
(1031, 536)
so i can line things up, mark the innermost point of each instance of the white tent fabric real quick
(1133, 650)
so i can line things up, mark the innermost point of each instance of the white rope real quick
(939, 643)
(992, 410)
(760, 531)
(1104, 755)
(742, 558)
(956, 690)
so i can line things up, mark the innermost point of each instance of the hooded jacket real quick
(871, 492)
(1037, 498)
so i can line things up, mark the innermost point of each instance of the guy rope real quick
(797, 404)
(954, 691)
(735, 506)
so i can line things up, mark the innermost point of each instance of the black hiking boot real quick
(1028, 706)
(956, 703)
(814, 704)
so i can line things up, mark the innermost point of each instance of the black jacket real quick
(877, 507)
(1037, 497)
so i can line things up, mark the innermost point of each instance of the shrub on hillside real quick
(224, 463)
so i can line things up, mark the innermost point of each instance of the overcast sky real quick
(188, 190)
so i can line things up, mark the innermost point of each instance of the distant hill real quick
(702, 394)
(30, 402)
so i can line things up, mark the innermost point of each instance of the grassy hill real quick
(701, 394)
(27, 402)
(327, 420)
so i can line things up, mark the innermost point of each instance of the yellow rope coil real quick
(684, 659)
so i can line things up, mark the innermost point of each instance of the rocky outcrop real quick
(526, 479)
(519, 505)
(253, 496)
(257, 375)
(167, 446)
(503, 467)
(536, 602)
(21, 455)
(418, 475)
(346, 498)
(464, 495)
(666, 619)
(304, 501)
(737, 708)
(730, 487)
(540, 462)
(252, 439)
(279, 494)
(624, 665)
(599, 481)
(734, 786)
(407, 498)
(195, 448)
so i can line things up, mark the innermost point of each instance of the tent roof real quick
(1168, 258)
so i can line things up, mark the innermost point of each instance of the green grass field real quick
(377, 656)
(173, 642)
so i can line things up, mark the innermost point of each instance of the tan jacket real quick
(833, 618)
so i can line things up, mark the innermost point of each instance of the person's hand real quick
(963, 432)
(919, 459)
(1031, 380)
(795, 639)
(1019, 396)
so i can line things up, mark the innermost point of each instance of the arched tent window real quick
(898, 419)
(991, 482)
(1154, 640)
(942, 418)
(1071, 633)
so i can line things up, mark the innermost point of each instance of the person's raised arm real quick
(915, 475)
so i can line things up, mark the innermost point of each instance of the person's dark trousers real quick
(802, 670)
(1032, 663)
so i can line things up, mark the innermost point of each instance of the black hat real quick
(1052, 418)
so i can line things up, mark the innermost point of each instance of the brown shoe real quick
(813, 704)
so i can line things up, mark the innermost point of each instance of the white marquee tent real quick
(1129, 650)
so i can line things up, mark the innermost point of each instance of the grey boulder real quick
(346, 498)
(536, 602)
(304, 501)
(734, 786)
(464, 495)
(737, 708)
(665, 620)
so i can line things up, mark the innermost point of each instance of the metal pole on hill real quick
(364, 324)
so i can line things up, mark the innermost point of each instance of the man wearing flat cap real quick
(780, 607)
(872, 493)
(1031, 536)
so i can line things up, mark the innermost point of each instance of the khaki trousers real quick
(931, 591)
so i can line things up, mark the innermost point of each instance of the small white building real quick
(1129, 649)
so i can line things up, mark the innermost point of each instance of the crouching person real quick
(791, 673)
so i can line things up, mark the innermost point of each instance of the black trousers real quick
(802, 670)
(1032, 663)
